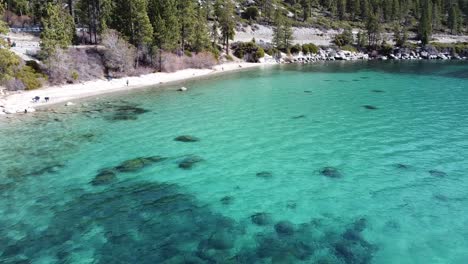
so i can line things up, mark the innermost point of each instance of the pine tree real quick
(59, 29)
(201, 39)
(225, 13)
(165, 22)
(187, 22)
(373, 30)
(131, 19)
(454, 19)
(425, 23)
(278, 31)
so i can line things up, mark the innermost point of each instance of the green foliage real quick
(282, 32)
(349, 48)
(132, 20)
(400, 35)
(30, 78)
(163, 17)
(310, 48)
(251, 13)
(59, 29)
(9, 64)
(425, 23)
(224, 11)
(345, 38)
(249, 51)
(296, 49)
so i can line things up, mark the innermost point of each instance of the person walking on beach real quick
(127, 82)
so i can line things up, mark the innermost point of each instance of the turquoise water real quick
(327, 163)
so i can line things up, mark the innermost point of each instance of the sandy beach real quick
(18, 102)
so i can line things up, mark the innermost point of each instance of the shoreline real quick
(63, 94)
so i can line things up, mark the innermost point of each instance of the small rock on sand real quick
(69, 104)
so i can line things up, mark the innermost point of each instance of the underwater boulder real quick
(264, 174)
(104, 177)
(437, 173)
(284, 228)
(261, 219)
(370, 107)
(186, 138)
(138, 163)
(221, 240)
(331, 172)
(227, 200)
(190, 161)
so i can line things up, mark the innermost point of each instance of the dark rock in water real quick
(261, 219)
(360, 224)
(284, 228)
(331, 172)
(352, 235)
(220, 240)
(364, 77)
(226, 200)
(441, 197)
(370, 107)
(12, 250)
(402, 166)
(344, 252)
(104, 177)
(378, 91)
(307, 91)
(186, 138)
(265, 174)
(437, 173)
(122, 112)
(356, 80)
(189, 162)
(291, 205)
(302, 250)
(268, 246)
(298, 117)
(138, 163)
(6, 186)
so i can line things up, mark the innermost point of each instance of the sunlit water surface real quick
(327, 163)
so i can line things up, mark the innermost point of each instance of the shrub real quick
(310, 48)
(14, 85)
(229, 58)
(249, 51)
(349, 48)
(296, 49)
(345, 38)
(30, 78)
(171, 62)
(119, 55)
(251, 13)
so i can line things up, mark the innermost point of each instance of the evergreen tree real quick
(58, 31)
(282, 32)
(165, 21)
(373, 30)
(187, 22)
(201, 39)
(454, 19)
(131, 19)
(225, 12)
(425, 23)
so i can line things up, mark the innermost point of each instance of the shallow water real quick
(327, 163)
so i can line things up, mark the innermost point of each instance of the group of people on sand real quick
(36, 99)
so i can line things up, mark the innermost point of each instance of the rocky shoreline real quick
(343, 55)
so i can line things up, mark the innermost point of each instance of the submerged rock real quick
(261, 219)
(370, 107)
(402, 166)
(186, 138)
(307, 91)
(331, 172)
(437, 173)
(227, 200)
(188, 162)
(264, 174)
(378, 91)
(298, 117)
(104, 177)
(285, 228)
(138, 163)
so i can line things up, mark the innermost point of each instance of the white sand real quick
(18, 102)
